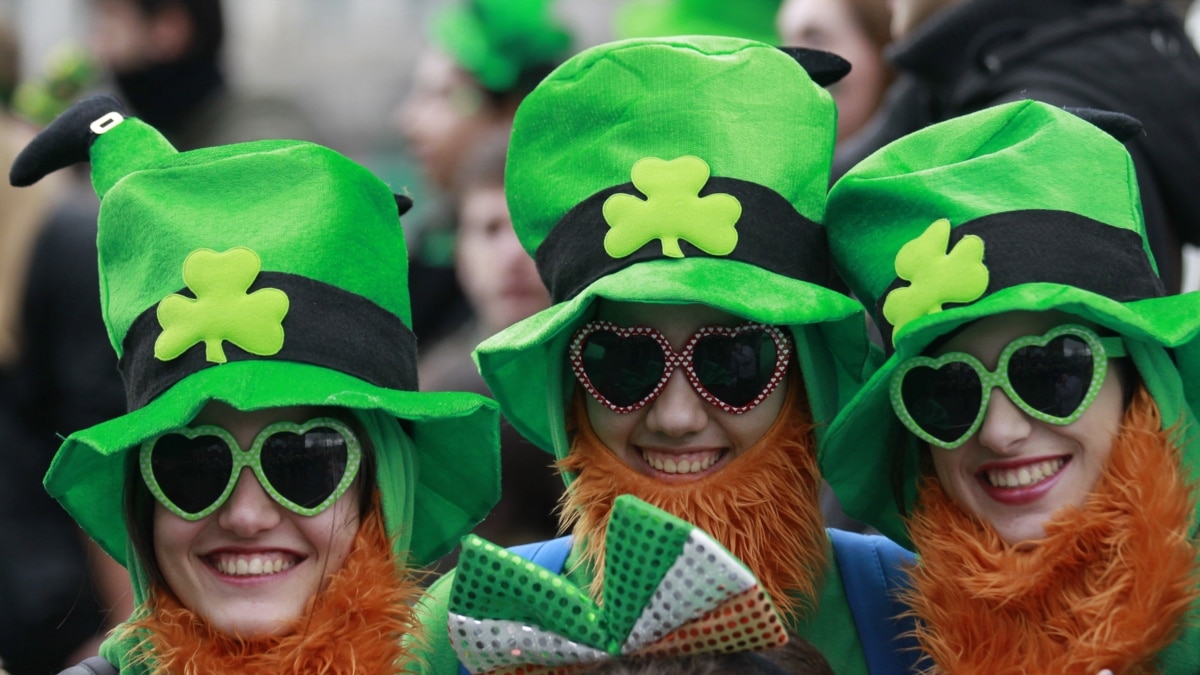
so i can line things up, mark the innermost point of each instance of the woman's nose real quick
(678, 410)
(1005, 426)
(249, 510)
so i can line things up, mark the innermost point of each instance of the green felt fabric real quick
(670, 107)
(500, 42)
(1017, 156)
(750, 19)
(211, 220)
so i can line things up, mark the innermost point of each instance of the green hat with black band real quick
(1020, 207)
(262, 274)
(674, 171)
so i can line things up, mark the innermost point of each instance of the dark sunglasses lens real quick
(735, 369)
(191, 472)
(1053, 379)
(305, 468)
(623, 369)
(944, 402)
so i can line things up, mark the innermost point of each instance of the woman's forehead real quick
(664, 316)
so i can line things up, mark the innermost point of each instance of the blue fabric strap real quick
(873, 570)
(549, 554)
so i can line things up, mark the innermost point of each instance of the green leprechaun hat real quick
(749, 19)
(261, 274)
(674, 171)
(508, 45)
(670, 590)
(1023, 206)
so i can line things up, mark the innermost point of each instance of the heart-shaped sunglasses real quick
(1052, 377)
(305, 467)
(732, 367)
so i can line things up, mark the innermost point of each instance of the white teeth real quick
(680, 465)
(251, 566)
(1026, 475)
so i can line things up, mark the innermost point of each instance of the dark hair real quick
(207, 19)
(139, 502)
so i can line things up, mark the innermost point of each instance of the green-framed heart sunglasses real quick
(305, 467)
(1052, 377)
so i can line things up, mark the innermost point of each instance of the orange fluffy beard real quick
(763, 506)
(362, 622)
(1106, 588)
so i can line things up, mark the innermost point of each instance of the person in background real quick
(484, 57)
(60, 593)
(1056, 527)
(502, 286)
(164, 58)
(958, 56)
(856, 30)
(279, 480)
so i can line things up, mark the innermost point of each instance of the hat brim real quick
(456, 438)
(858, 457)
(525, 365)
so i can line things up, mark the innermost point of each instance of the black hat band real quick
(325, 326)
(1055, 247)
(772, 235)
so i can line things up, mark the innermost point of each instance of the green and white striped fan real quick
(669, 589)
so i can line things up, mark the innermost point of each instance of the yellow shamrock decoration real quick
(672, 210)
(937, 276)
(221, 310)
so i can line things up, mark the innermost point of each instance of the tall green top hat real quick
(1018, 207)
(673, 170)
(508, 45)
(262, 274)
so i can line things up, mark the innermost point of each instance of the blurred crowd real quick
(435, 124)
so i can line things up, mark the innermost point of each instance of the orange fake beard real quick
(362, 622)
(1106, 588)
(763, 506)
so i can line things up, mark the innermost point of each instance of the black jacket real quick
(1103, 54)
(65, 380)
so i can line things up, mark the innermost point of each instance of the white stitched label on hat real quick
(107, 122)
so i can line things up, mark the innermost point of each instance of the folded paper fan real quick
(669, 589)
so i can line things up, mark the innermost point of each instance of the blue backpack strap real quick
(550, 554)
(873, 569)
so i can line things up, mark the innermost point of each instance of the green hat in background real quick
(1023, 206)
(261, 274)
(673, 171)
(749, 19)
(505, 44)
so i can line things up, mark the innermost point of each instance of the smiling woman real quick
(1033, 432)
(697, 341)
(279, 479)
